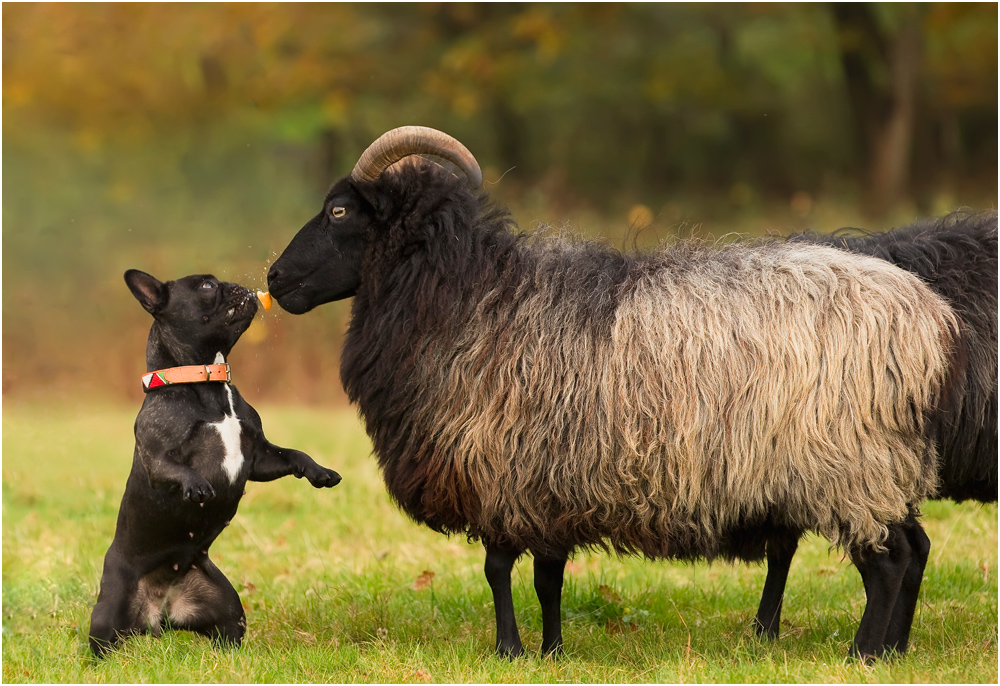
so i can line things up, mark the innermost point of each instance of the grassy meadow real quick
(329, 580)
(198, 138)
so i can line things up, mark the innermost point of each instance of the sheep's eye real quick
(338, 212)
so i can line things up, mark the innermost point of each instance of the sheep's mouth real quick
(291, 295)
(283, 285)
(279, 289)
(294, 300)
(312, 288)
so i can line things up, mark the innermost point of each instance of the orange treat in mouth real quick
(265, 299)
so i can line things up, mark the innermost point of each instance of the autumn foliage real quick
(183, 138)
(686, 93)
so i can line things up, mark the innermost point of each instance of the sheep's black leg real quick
(780, 551)
(897, 637)
(499, 563)
(882, 574)
(548, 587)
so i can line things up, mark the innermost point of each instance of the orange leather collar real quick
(198, 373)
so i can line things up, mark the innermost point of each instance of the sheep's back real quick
(658, 403)
(782, 381)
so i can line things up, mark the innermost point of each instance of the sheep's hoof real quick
(769, 633)
(510, 652)
(884, 654)
(865, 657)
(553, 653)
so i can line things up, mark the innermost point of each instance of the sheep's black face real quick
(323, 261)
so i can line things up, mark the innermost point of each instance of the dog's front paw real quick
(317, 475)
(321, 477)
(198, 491)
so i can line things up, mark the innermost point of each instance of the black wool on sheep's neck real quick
(436, 249)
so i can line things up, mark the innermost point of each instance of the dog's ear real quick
(151, 293)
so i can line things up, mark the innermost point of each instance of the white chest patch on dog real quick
(229, 431)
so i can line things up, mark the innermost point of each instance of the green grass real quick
(327, 576)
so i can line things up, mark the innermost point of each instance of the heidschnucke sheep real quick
(956, 256)
(547, 394)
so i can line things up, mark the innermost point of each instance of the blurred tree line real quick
(585, 101)
(192, 138)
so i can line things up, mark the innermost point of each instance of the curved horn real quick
(396, 144)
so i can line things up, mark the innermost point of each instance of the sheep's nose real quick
(273, 274)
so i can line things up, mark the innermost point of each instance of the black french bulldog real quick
(197, 443)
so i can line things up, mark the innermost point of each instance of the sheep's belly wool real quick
(664, 402)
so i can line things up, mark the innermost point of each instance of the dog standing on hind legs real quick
(197, 443)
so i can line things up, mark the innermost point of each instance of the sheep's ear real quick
(374, 195)
(147, 289)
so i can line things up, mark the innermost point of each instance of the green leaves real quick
(691, 94)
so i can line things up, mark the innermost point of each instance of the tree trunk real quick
(880, 71)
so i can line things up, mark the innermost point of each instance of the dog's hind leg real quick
(122, 608)
(205, 602)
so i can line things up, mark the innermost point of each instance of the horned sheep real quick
(547, 394)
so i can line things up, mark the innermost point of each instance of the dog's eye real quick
(338, 212)
(208, 285)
